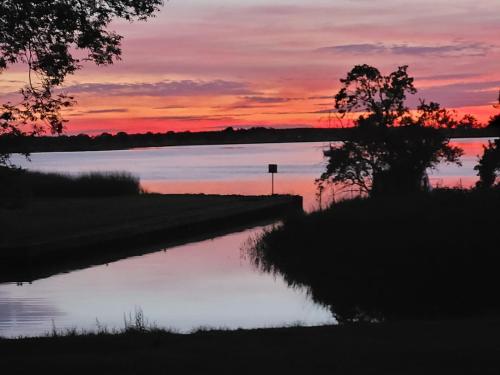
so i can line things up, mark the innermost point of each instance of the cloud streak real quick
(461, 94)
(448, 50)
(188, 118)
(267, 99)
(164, 88)
(107, 110)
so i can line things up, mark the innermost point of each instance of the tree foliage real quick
(495, 120)
(53, 38)
(365, 89)
(488, 167)
(392, 146)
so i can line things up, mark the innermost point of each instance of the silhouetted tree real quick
(391, 148)
(468, 122)
(488, 167)
(44, 35)
(495, 120)
(433, 115)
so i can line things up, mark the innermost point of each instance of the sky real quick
(209, 64)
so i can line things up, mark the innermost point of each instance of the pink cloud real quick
(226, 62)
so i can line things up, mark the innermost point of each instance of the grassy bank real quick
(62, 231)
(19, 186)
(429, 255)
(447, 347)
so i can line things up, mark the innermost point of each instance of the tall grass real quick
(134, 324)
(54, 185)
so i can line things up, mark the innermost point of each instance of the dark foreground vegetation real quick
(106, 141)
(50, 235)
(18, 186)
(428, 255)
(448, 347)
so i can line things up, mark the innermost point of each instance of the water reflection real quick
(239, 169)
(28, 312)
(207, 283)
(201, 284)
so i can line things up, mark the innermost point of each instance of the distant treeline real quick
(106, 141)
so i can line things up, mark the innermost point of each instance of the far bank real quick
(124, 141)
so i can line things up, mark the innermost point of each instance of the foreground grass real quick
(439, 347)
(428, 255)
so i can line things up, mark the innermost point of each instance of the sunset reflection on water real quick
(206, 283)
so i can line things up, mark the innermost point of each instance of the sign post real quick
(273, 168)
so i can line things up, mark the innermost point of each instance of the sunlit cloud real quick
(209, 64)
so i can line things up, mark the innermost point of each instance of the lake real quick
(202, 284)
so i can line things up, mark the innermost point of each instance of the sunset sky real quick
(209, 64)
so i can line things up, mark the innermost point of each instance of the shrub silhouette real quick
(488, 167)
(426, 255)
(390, 148)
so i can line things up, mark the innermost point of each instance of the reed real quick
(55, 185)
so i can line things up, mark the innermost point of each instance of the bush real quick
(488, 167)
(424, 255)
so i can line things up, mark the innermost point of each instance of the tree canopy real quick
(393, 146)
(488, 167)
(495, 120)
(53, 38)
(365, 89)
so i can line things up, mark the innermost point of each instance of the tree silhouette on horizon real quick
(488, 167)
(391, 147)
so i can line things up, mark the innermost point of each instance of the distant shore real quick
(123, 141)
(53, 235)
(466, 346)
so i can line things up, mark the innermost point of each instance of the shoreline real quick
(171, 219)
(124, 141)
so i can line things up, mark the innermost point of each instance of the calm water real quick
(207, 283)
(231, 169)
